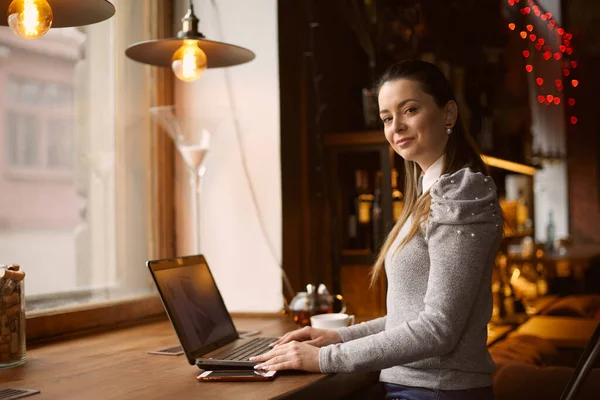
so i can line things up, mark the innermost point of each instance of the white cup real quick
(331, 321)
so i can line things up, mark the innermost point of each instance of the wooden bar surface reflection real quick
(115, 365)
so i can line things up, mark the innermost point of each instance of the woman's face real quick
(414, 125)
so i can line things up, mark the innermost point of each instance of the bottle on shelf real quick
(397, 196)
(550, 233)
(352, 228)
(376, 216)
(365, 204)
(486, 137)
(523, 221)
(505, 301)
(542, 281)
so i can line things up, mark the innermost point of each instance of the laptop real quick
(198, 314)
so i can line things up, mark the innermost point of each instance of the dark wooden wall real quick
(321, 68)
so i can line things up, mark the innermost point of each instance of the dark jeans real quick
(398, 392)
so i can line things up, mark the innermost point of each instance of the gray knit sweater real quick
(439, 296)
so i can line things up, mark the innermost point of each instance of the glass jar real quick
(12, 316)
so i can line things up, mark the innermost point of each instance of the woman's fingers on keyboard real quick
(298, 335)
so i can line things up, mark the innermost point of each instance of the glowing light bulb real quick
(29, 19)
(189, 61)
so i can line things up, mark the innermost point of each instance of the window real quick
(39, 119)
(59, 139)
(74, 126)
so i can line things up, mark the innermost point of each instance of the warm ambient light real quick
(508, 165)
(29, 19)
(190, 53)
(189, 61)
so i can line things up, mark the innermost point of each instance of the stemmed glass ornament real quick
(191, 135)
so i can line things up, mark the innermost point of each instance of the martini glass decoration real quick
(191, 134)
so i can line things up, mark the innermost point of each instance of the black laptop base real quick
(209, 365)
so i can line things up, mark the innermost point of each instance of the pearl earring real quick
(448, 131)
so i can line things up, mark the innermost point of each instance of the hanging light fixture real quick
(31, 19)
(189, 54)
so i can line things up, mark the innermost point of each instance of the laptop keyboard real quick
(254, 347)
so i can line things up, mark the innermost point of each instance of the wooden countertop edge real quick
(62, 324)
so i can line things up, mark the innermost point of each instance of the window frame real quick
(43, 326)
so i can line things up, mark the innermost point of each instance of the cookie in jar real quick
(12, 316)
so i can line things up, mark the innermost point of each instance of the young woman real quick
(438, 258)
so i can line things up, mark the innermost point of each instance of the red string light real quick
(554, 52)
(559, 85)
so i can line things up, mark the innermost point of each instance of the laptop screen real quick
(194, 304)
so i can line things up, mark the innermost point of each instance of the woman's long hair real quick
(460, 151)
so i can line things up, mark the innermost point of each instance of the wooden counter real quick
(115, 365)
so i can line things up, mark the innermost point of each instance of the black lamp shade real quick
(67, 13)
(159, 52)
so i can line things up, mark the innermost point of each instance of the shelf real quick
(518, 235)
(377, 137)
(358, 257)
(354, 138)
(517, 257)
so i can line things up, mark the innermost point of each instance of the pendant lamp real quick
(188, 54)
(31, 19)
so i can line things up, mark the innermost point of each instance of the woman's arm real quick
(463, 233)
(363, 329)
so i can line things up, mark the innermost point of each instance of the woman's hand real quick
(309, 335)
(293, 355)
